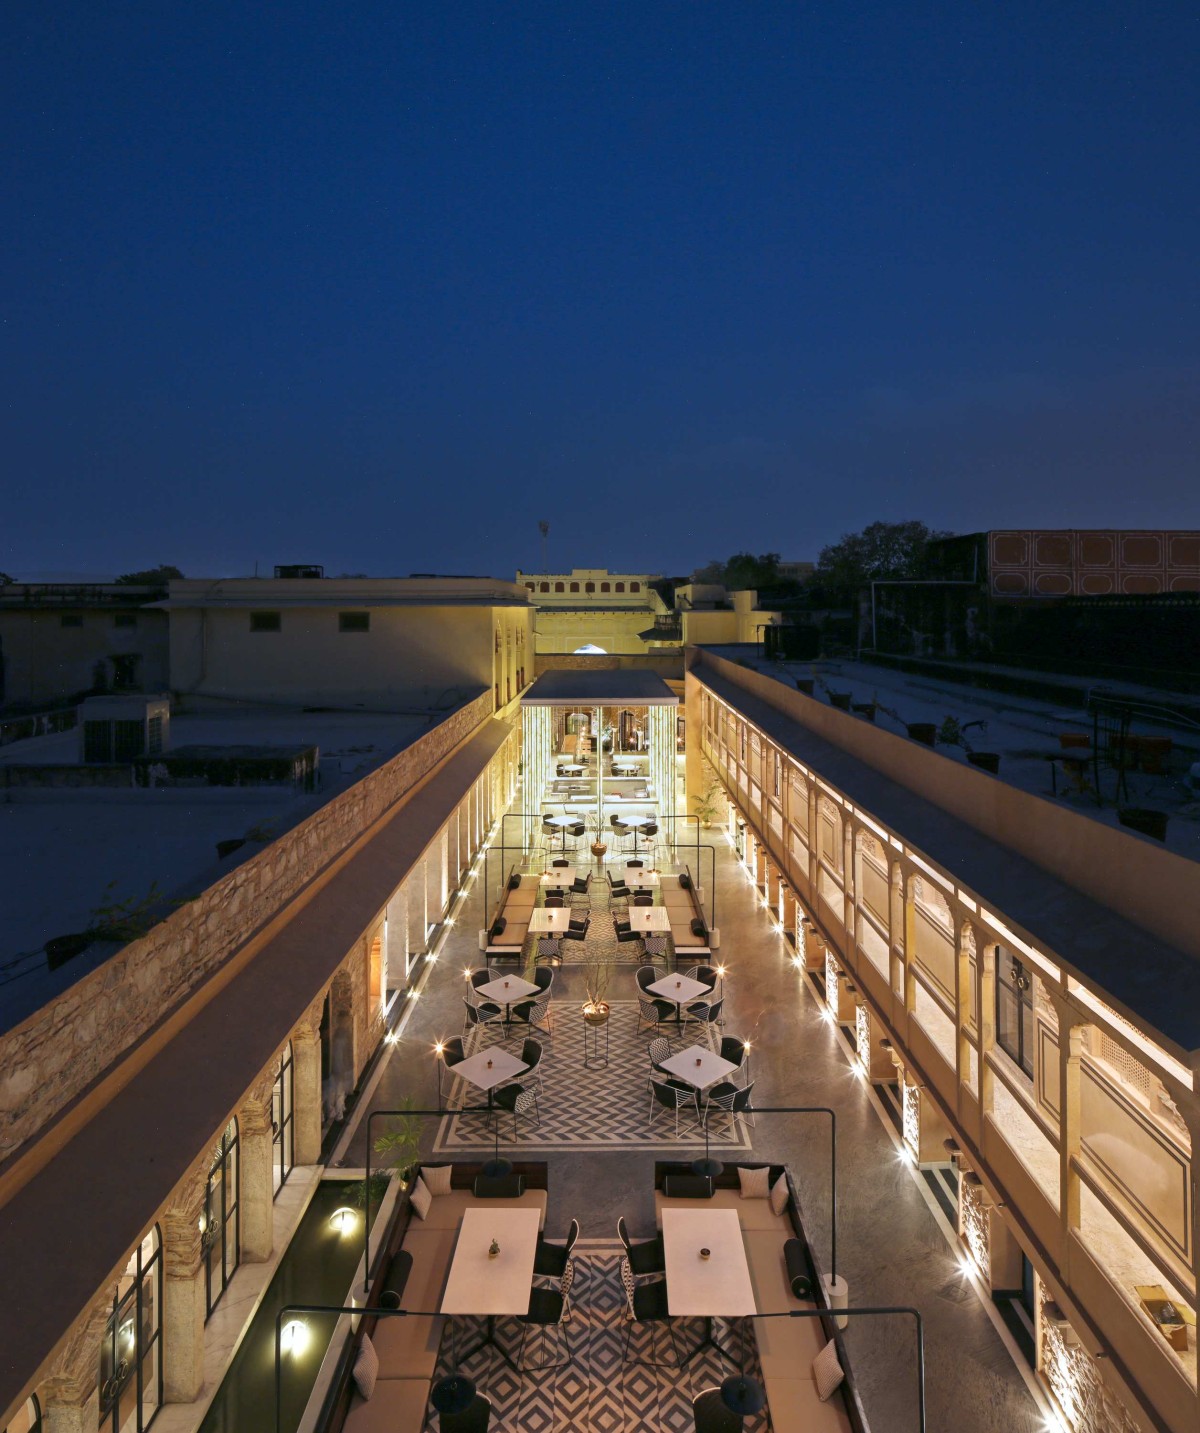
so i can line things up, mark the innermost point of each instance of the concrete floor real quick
(891, 1247)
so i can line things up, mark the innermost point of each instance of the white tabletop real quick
(640, 876)
(559, 878)
(679, 988)
(507, 989)
(552, 918)
(479, 1284)
(716, 1286)
(562, 820)
(708, 1071)
(651, 918)
(571, 768)
(503, 1066)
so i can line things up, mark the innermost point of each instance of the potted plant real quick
(1144, 821)
(806, 685)
(952, 732)
(841, 700)
(401, 1144)
(706, 804)
(596, 1009)
(864, 709)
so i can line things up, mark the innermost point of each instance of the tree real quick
(6, 580)
(150, 576)
(881, 550)
(741, 571)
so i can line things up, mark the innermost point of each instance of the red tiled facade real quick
(1092, 563)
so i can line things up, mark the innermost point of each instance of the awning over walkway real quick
(608, 688)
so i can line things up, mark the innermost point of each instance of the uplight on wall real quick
(295, 1337)
(342, 1221)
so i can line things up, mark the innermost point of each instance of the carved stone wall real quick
(974, 1221)
(1085, 1402)
(910, 1105)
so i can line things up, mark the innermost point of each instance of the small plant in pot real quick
(706, 804)
(841, 700)
(952, 732)
(596, 1008)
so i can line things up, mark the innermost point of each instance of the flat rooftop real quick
(568, 687)
(1020, 729)
(68, 851)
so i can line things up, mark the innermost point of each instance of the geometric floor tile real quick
(598, 1391)
(587, 1109)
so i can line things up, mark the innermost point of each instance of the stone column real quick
(70, 1397)
(256, 1196)
(896, 927)
(1071, 1025)
(787, 907)
(306, 1088)
(773, 888)
(183, 1292)
(876, 1058)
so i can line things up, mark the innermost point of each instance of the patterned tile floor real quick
(597, 1391)
(587, 1109)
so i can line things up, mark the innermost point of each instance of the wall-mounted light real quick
(295, 1337)
(343, 1220)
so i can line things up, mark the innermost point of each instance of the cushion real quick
(685, 881)
(687, 1186)
(827, 1371)
(514, 882)
(420, 1198)
(498, 926)
(699, 928)
(779, 1194)
(799, 1278)
(394, 1281)
(504, 1186)
(437, 1178)
(755, 1183)
(366, 1367)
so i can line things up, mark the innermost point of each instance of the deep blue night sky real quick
(381, 285)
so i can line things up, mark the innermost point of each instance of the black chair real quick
(712, 1415)
(543, 978)
(658, 1050)
(475, 1418)
(645, 975)
(636, 864)
(647, 1304)
(673, 1095)
(643, 900)
(555, 902)
(517, 1099)
(577, 931)
(482, 977)
(624, 931)
(582, 885)
(573, 924)
(550, 1260)
(559, 861)
(548, 1308)
(645, 1257)
(653, 1013)
(480, 1018)
(733, 1101)
(734, 1050)
(617, 888)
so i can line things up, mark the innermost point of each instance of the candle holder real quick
(493, 1250)
(705, 1253)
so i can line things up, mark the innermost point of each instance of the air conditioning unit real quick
(299, 569)
(122, 728)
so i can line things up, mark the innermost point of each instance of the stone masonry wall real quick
(52, 1057)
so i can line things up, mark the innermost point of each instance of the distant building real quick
(593, 607)
(1072, 562)
(796, 571)
(371, 643)
(63, 641)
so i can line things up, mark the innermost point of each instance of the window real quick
(620, 587)
(574, 586)
(354, 621)
(125, 619)
(635, 587)
(265, 622)
(130, 1365)
(546, 587)
(1014, 1010)
(559, 587)
(282, 1154)
(71, 619)
(589, 587)
(606, 587)
(530, 587)
(220, 1236)
(154, 740)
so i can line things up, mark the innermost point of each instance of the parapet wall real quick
(52, 1057)
(1155, 889)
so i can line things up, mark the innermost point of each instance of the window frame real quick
(356, 621)
(266, 620)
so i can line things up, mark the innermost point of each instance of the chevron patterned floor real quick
(587, 1109)
(597, 1391)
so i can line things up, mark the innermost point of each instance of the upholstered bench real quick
(754, 1214)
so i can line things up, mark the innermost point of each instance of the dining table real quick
(651, 918)
(676, 989)
(558, 878)
(490, 1284)
(545, 919)
(708, 1276)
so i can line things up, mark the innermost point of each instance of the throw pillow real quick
(437, 1178)
(420, 1199)
(827, 1371)
(756, 1183)
(779, 1195)
(366, 1367)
